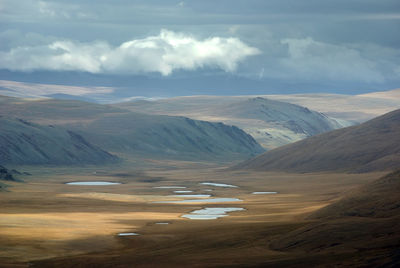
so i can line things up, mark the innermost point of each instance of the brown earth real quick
(46, 223)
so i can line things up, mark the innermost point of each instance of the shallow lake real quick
(264, 192)
(219, 184)
(127, 234)
(210, 200)
(169, 187)
(210, 213)
(95, 183)
(192, 195)
(182, 192)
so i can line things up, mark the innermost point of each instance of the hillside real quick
(378, 199)
(365, 224)
(146, 135)
(122, 131)
(23, 142)
(354, 108)
(272, 123)
(371, 146)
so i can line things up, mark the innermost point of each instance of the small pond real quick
(127, 234)
(210, 200)
(210, 213)
(169, 187)
(219, 184)
(192, 195)
(93, 183)
(264, 192)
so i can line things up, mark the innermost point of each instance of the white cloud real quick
(317, 60)
(163, 53)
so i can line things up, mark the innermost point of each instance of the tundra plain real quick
(47, 223)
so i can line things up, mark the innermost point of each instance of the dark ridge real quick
(23, 142)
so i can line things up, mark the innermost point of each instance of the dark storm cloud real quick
(313, 40)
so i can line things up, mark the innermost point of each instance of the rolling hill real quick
(272, 123)
(373, 145)
(181, 137)
(364, 226)
(354, 108)
(23, 142)
(122, 131)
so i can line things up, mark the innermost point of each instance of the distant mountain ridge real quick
(373, 145)
(122, 131)
(272, 123)
(180, 137)
(23, 142)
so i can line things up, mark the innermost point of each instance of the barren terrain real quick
(45, 218)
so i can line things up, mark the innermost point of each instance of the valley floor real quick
(47, 223)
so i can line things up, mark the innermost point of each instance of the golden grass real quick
(45, 218)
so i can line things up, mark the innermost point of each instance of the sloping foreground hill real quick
(373, 145)
(363, 227)
(23, 142)
(272, 123)
(119, 130)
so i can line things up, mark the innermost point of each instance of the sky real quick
(164, 47)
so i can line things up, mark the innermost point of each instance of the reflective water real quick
(96, 183)
(182, 192)
(219, 184)
(264, 192)
(192, 195)
(127, 234)
(210, 213)
(210, 200)
(169, 187)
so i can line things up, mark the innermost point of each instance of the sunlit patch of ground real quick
(45, 218)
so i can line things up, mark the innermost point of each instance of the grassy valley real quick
(327, 200)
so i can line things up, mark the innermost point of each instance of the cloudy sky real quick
(248, 46)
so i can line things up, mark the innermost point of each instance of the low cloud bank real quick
(162, 53)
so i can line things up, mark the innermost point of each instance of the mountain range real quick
(272, 123)
(42, 125)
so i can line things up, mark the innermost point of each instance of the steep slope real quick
(140, 134)
(295, 118)
(365, 223)
(373, 145)
(120, 130)
(271, 123)
(22, 142)
(378, 199)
